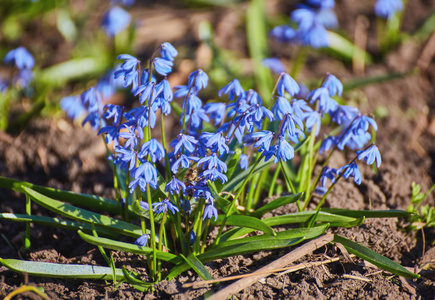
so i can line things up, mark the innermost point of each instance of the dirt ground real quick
(58, 153)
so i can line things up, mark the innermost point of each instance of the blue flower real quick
(327, 173)
(162, 66)
(362, 123)
(287, 84)
(115, 20)
(152, 148)
(274, 64)
(300, 107)
(164, 206)
(185, 204)
(210, 211)
(214, 174)
(182, 161)
(142, 240)
(283, 33)
(281, 107)
(351, 170)
(344, 115)
(334, 86)
(192, 237)
(145, 91)
(112, 134)
(216, 111)
(113, 111)
(201, 190)
(130, 136)
(251, 97)
(289, 124)
(328, 143)
(214, 141)
(20, 57)
(146, 171)
(284, 151)
(244, 161)
(232, 89)
(73, 106)
(175, 186)
(387, 8)
(93, 118)
(23, 78)
(183, 140)
(370, 155)
(212, 161)
(313, 119)
(198, 79)
(124, 155)
(167, 51)
(326, 103)
(325, 4)
(264, 139)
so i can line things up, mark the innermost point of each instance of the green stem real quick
(28, 212)
(167, 167)
(153, 234)
(274, 178)
(204, 236)
(299, 62)
(259, 159)
(161, 233)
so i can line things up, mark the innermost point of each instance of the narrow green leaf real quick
(84, 215)
(345, 48)
(245, 222)
(220, 202)
(237, 180)
(43, 269)
(238, 249)
(94, 202)
(278, 202)
(361, 82)
(197, 266)
(374, 258)
(232, 164)
(131, 277)
(55, 222)
(392, 213)
(127, 247)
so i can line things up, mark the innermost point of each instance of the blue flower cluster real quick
(24, 62)
(310, 23)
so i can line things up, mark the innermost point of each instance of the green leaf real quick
(345, 48)
(232, 164)
(131, 277)
(278, 202)
(220, 202)
(43, 269)
(127, 247)
(55, 222)
(197, 266)
(94, 202)
(374, 258)
(84, 215)
(295, 218)
(237, 180)
(361, 82)
(393, 213)
(238, 249)
(245, 222)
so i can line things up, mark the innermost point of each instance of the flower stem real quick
(153, 234)
(28, 212)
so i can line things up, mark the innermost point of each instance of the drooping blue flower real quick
(212, 161)
(144, 205)
(185, 205)
(152, 148)
(142, 240)
(73, 106)
(112, 134)
(351, 170)
(198, 79)
(162, 66)
(167, 51)
(281, 107)
(181, 91)
(214, 141)
(182, 161)
(284, 151)
(164, 206)
(344, 115)
(125, 156)
(244, 161)
(289, 124)
(327, 144)
(192, 237)
(313, 119)
(327, 173)
(287, 84)
(334, 86)
(115, 20)
(147, 171)
(232, 89)
(387, 8)
(201, 190)
(146, 91)
(264, 138)
(93, 118)
(128, 71)
(370, 155)
(214, 174)
(183, 140)
(325, 102)
(362, 124)
(210, 211)
(175, 186)
(20, 57)
(216, 110)
(283, 33)
(275, 65)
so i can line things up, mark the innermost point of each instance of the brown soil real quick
(59, 154)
